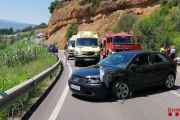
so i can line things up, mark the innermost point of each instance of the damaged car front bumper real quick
(88, 90)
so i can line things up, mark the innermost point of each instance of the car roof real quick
(142, 52)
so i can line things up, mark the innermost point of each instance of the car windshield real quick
(120, 60)
(122, 40)
(87, 42)
(70, 43)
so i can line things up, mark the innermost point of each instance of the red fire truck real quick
(116, 42)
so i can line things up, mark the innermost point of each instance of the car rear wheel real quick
(120, 90)
(169, 81)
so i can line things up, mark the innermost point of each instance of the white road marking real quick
(61, 100)
(175, 93)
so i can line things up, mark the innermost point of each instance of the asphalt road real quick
(148, 104)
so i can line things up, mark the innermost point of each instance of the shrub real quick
(95, 2)
(53, 6)
(72, 30)
(55, 43)
(126, 22)
(169, 4)
(13, 39)
(151, 30)
(19, 53)
(175, 20)
(164, 11)
(163, 2)
(175, 2)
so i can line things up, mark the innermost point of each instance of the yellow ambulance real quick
(87, 47)
(71, 46)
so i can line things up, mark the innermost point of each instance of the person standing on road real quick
(163, 49)
(65, 53)
(173, 52)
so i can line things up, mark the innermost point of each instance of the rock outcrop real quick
(100, 18)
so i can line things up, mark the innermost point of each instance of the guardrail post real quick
(57, 57)
(50, 75)
(30, 94)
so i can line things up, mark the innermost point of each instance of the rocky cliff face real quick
(101, 18)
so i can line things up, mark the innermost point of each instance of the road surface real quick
(149, 104)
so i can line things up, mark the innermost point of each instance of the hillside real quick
(101, 18)
(14, 25)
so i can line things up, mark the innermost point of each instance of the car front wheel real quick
(169, 81)
(120, 90)
(76, 63)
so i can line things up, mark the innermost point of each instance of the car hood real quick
(93, 71)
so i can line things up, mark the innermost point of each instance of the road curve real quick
(150, 104)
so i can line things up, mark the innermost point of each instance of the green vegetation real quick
(159, 28)
(20, 61)
(53, 6)
(4, 41)
(19, 53)
(55, 43)
(6, 31)
(10, 31)
(25, 35)
(42, 25)
(125, 23)
(72, 30)
(95, 2)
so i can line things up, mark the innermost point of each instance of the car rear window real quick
(157, 58)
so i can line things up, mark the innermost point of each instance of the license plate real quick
(87, 59)
(75, 87)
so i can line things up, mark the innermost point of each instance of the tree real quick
(72, 30)
(32, 32)
(27, 29)
(10, 30)
(42, 25)
(53, 6)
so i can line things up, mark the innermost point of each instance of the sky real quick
(25, 11)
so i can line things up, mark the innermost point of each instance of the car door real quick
(161, 64)
(143, 74)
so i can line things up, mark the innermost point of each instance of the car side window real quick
(142, 60)
(157, 58)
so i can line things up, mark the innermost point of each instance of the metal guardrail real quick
(10, 96)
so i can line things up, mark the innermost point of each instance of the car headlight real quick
(98, 53)
(93, 80)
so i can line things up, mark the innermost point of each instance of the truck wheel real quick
(120, 90)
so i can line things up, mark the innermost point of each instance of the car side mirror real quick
(101, 45)
(73, 45)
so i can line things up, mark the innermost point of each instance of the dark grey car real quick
(124, 72)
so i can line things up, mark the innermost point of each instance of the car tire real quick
(109, 54)
(101, 57)
(169, 81)
(120, 90)
(76, 63)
